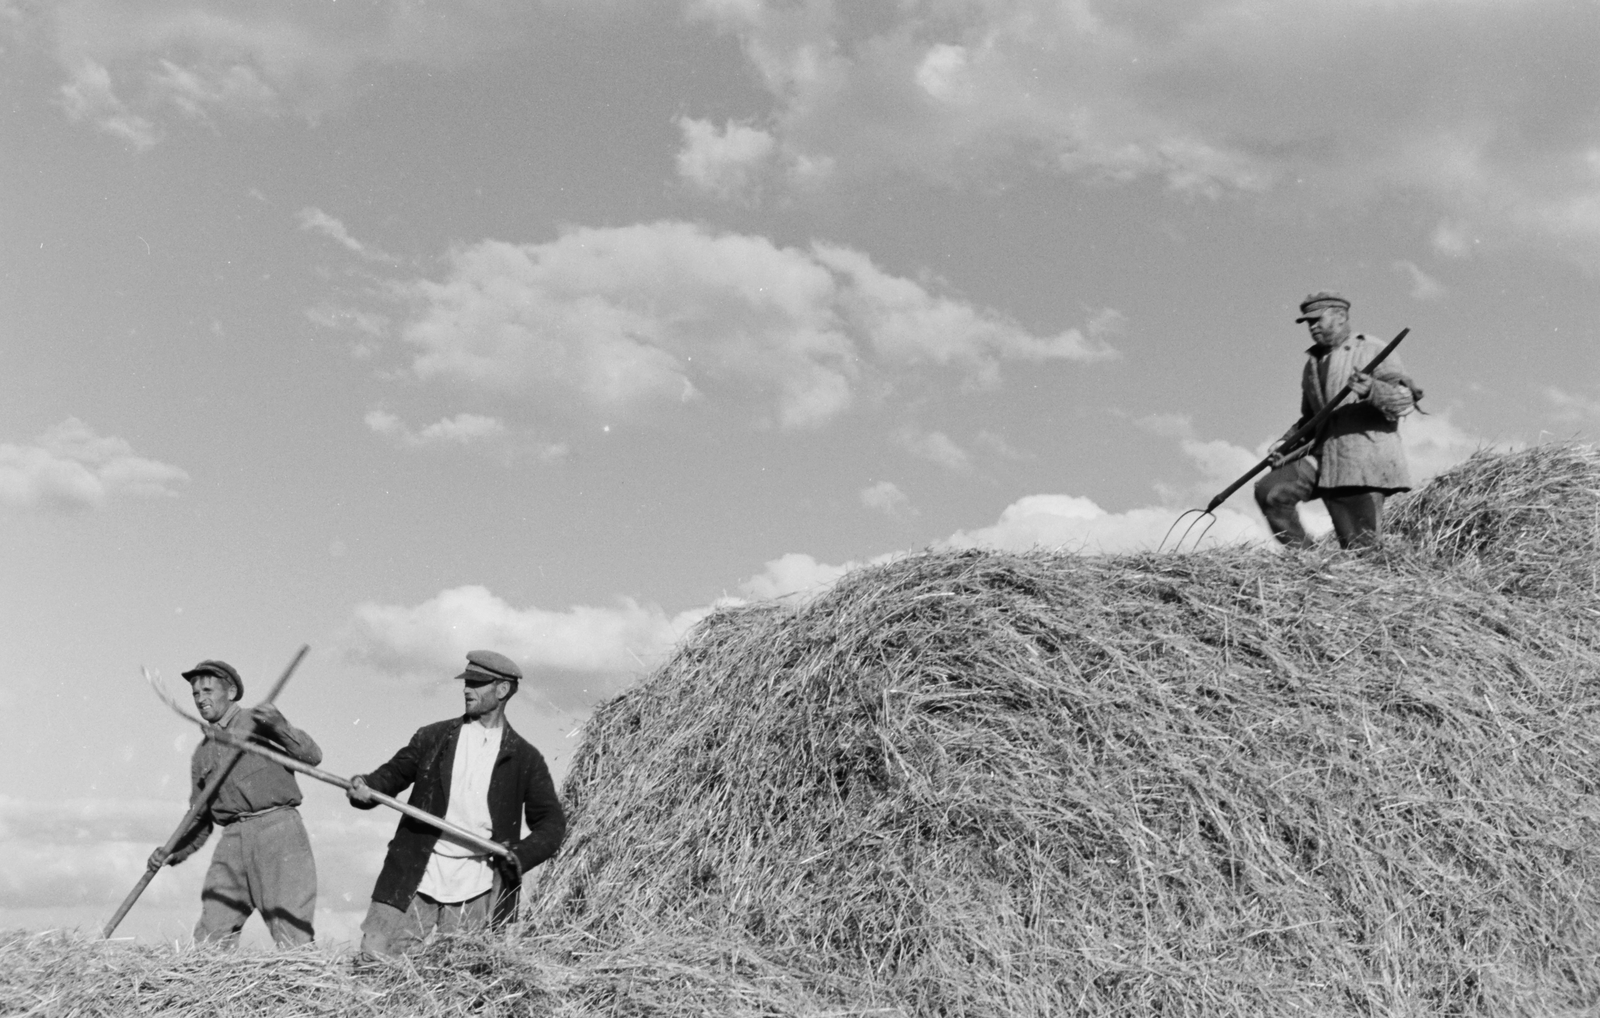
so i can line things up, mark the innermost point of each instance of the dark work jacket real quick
(519, 786)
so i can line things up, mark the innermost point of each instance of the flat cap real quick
(1319, 300)
(222, 670)
(487, 664)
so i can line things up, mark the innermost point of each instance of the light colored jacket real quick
(1358, 445)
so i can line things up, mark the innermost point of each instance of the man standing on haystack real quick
(263, 858)
(479, 774)
(1355, 460)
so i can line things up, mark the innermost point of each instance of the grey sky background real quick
(405, 328)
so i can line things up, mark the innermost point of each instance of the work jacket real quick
(519, 787)
(255, 785)
(1358, 446)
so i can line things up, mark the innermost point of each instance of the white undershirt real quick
(457, 871)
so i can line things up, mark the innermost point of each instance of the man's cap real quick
(1319, 300)
(487, 664)
(222, 670)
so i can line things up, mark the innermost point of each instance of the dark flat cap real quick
(487, 664)
(1319, 300)
(222, 670)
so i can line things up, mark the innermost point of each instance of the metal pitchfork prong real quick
(1199, 515)
(1300, 437)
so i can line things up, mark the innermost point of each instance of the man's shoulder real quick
(437, 730)
(522, 749)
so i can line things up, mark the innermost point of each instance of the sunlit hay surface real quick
(1236, 783)
(74, 974)
(1530, 520)
(485, 975)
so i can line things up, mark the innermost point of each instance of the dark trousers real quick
(1357, 512)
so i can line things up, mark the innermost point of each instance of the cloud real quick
(796, 573)
(572, 656)
(1477, 108)
(318, 221)
(671, 313)
(78, 851)
(887, 498)
(72, 468)
(462, 429)
(1423, 286)
(88, 96)
(1077, 524)
(136, 67)
(1434, 443)
(935, 447)
(725, 163)
(1571, 407)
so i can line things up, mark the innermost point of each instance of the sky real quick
(401, 329)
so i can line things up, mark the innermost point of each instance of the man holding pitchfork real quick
(480, 775)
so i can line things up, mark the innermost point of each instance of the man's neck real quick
(493, 719)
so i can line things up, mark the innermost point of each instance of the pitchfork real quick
(1303, 434)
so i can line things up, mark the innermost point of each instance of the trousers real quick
(1357, 513)
(389, 931)
(260, 864)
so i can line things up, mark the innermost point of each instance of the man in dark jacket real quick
(478, 773)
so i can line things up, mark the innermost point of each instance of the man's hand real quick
(269, 718)
(1275, 458)
(358, 791)
(158, 859)
(513, 863)
(1360, 384)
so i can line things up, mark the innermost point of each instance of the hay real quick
(60, 973)
(1529, 520)
(1226, 784)
(1235, 783)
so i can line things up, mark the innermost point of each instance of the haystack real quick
(1233, 783)
(1529, 521)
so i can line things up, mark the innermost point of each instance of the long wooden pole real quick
(202, 803)
(1309, 429)
(226, 737)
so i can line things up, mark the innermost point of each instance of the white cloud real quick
(794, 573)
(1423, 286)
(725, 163)
(935, 447)
(78, 851)
(318, 221)
(1078, 524)
(88, 96)
(195, 61)
(70, 468)
(1571, 407)
(462, 429)
(671, 312)
(887, 498)
(1434, 99)
(1434, 443)
(943, 74)
(572, 656)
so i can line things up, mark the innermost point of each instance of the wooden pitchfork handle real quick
(1309, 428)
(202, 803)
(226, 737)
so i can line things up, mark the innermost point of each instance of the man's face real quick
(482, 696)
(1329, 325)
(212, 697)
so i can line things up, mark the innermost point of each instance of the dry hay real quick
(1529, 520)
(1235, 783)
(513, 974)
(1224, 784)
